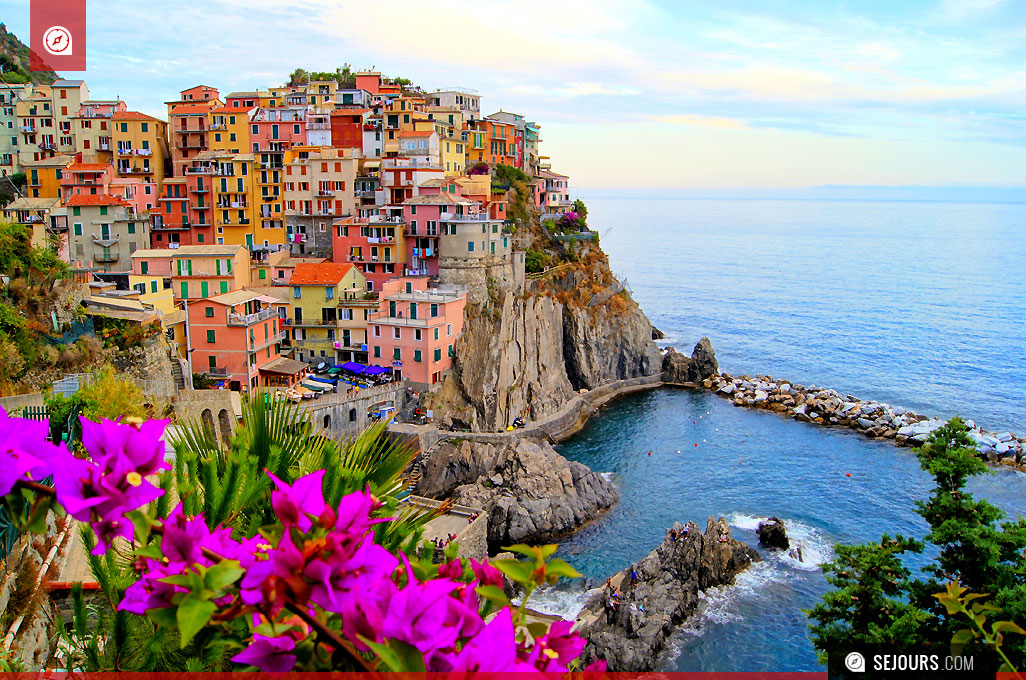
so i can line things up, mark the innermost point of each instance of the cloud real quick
(697, 119)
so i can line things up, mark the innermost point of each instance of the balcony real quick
(384, 319)
(28, 128)
(272, 339)
(325, 193)
(318, 126)
(122, 151)
(250, 319)
(218, 372)
(201, 207)
(218, 126)
(198, 170)
(455, 217)
(199, 190)
(232, 204)
(144, 152)
(314, 323)
(106, 257)
(358, 302)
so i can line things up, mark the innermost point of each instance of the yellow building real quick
(68, 96)
(328, 310)
(43, 177)
(229, 129)
(154, 290)
(140, 146)
(268, 197)
(202, 271)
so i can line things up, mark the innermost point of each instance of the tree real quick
(581, 210)
(12, 363)
(877, 601)
(535, 261)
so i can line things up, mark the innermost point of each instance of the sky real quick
(669, 95)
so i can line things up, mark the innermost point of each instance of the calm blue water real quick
(916, 304)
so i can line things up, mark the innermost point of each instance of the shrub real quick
(535, 261)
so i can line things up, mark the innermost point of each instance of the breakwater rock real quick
(665, 591)
(772, 534)
(678, 368)
(871, 418)
(531, 493)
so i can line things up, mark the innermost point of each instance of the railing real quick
(199, 190)
(325, 193)
(272, 338)
(218, 371)
(144, 152)
(384, 318)
(315, 322)
(122, 151)
(447, 217)
(432, 295)
(318, 126)
(250, 319)
(357, 303)
(195, 170)
(218, 126)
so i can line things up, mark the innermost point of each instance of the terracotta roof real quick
(417, 133)
(88, 167)
(189, 108)
(56, 161)
(284, 366)
(97, 199)
(133, 115)
(323, 273)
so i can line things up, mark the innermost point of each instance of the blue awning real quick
(374, 370)
(353, 367)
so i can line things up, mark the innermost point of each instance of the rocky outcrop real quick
(772, 534)
(507, 364)
(531, 493)
(678, 368)
(631, 635)
(601, 344)
(871, 418)
(523, 353)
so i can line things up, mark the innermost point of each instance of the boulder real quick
(676, 367)
(703, 360)
(532, 494)
(631, 635)
(772, 534)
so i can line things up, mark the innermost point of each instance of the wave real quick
(608, 476)
(566, 603)
(816, 548)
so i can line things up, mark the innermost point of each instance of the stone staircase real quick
(176, 372)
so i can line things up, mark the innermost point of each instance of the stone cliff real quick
(631, 635)
(531, 493)
(523, 353)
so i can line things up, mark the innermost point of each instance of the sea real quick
(918, 304)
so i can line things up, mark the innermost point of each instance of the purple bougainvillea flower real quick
(270, 580)
(354, 513)
(451, 570)
(493, 649)
(149, 592)
(77, 482)
(364, 612)
(296, 502)
(486, 573)
(24, 449)
(554, 651)
(427, 616)
(271, 655)
(121, 448)
(340, 570)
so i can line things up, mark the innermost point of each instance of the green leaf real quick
(151, 551)
(36, 522)
(549, 550)
(193, 614)
(493, 594)
(1007, 627)
(523, 549)
(537, 629)
(387, 655)
(165, 616)
(562, 568)
(222, 574)
(410, 657)
(183, 580)
(519, 572)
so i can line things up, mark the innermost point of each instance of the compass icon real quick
(57, 41)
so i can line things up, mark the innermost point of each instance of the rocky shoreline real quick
(870, 418)
(658, 594)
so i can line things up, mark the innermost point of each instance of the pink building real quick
(427, 217)
(235, 336)
(415, 329)
(86, 179)
(139, 194)
(375, 244)
(278, 128)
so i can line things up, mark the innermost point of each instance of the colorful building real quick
(552, 193)
(86, 179)
(104, 232)
(140, 146)
(318, 189)
(43, 177)
(375, 244)
(325, 299)
(201, 271)
(188, 124)
(171, 225)
(10, 94)
(415, 329)
(233, 335)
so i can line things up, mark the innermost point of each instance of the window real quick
(416, 334)
(297, 292)
(153, 286)
(377, 352)
(263, 273)
(438, 354)
(397, 354)
(470, 246)
(76, 211)
(210, 337)
(185, 289)
(329, 293)
(377, 331)
(78, 229)
(416, 355)
(395, 333)
(209, 312)
(448, 330)
(434, 309)
(131, 227)
(436, 333)
(224, 286)
(204, 289)
(409, 287)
